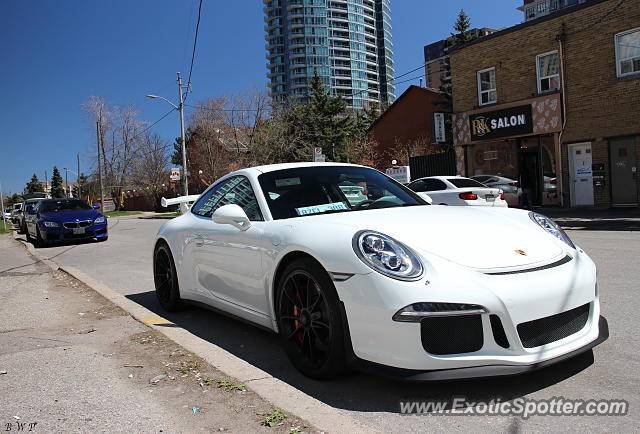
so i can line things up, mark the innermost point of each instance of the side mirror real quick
(31, 211)
(426, 197)
(96, 207)
(231, 215)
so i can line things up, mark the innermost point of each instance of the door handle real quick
(198, 240)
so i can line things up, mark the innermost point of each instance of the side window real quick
(417, 186)
(434, 185)
(236, 190)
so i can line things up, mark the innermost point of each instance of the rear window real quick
(465, 183)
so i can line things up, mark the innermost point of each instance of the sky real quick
(55, 54)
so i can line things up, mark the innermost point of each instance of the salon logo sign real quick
(513, 121)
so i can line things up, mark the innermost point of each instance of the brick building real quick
(555, 104)
(407, 123)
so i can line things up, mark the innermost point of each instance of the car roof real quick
(443, 178)
(283, 166)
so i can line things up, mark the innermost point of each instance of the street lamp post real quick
(180, 108)
(66, 172)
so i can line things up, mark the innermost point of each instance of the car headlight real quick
(551, 227)
(51, 224)
(387, 256)
(99, 219)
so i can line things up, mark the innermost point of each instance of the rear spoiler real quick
(183, 201)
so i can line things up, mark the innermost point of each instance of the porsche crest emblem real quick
(521, 252)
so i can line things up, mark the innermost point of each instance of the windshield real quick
(321, 190)
(63, 205)
(465, 183)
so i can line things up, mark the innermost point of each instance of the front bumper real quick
(378, 342)
(53, 234)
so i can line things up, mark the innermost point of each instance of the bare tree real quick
(119, 142)
(149, 168)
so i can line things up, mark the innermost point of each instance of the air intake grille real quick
(452, 334)
(553, 328)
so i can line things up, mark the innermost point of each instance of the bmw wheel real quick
(309, 321)
(166, 279)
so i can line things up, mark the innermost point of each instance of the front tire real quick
(166, 279)
(39, 241)
(309, 321)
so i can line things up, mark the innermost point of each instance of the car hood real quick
(476, 237)
(70, 216)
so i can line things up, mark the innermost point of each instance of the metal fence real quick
(440, 164)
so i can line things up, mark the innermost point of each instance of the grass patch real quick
(3, 230)
(121, 213)
(168, 215)
(226, 384)
(274, 417)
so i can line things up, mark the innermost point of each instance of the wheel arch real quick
(287, 259)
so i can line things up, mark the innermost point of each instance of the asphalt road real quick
(610, 372)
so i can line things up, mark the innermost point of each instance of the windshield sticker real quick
(337, 206)
(287, 182)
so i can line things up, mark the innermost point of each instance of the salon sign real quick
(513, 121)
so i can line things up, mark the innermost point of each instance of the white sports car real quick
(389, 283)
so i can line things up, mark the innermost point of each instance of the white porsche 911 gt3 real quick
(387, 283)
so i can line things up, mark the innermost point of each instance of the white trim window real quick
(628, 52)
(548, 72)
(487, 86)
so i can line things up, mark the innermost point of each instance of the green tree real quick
(461, 26)
(461, 36)
(10, 200)
(176, 156)
(324, 122)
(34, 186)
(57, 188)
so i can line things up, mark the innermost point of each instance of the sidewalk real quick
(72, 361)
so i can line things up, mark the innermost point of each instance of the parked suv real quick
(27, 206)
(15, 212)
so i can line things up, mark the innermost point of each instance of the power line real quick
(193, 54)
(599, 20)
(407, 73)
(222, 110)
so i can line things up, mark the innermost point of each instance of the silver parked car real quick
(507, 185)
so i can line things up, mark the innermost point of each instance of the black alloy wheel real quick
(309, 320)
(166, 279)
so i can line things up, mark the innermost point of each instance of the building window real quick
(548, 72)
(487, 86)
(628, 52)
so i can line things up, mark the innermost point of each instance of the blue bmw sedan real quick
(56, 220)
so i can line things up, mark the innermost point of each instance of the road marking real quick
(154, 320)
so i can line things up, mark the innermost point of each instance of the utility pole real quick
(46, 184)
(66, 183)
(4, 220)
(78, 178)
(184, 143)
(99, 133)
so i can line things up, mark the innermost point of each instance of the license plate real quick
(78, 231)
(490, 198)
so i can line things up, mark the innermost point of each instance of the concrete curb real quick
(271, 389)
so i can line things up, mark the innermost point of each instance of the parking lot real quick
(124, 264)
